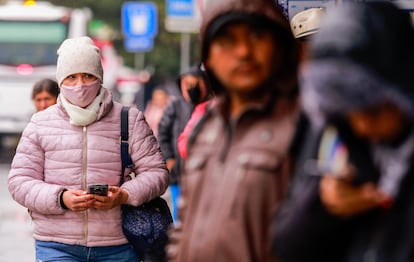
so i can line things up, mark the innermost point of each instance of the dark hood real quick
(220, 12)
(193, 71)
(363, 55)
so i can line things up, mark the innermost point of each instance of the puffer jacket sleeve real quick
(26, 180)
(152, 176)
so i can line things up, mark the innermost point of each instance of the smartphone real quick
(98, 189)
(332, 155)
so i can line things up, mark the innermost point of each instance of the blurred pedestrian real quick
(357, 91)
(71, 146)
(198, 113)
(45, 93)
(193, 90)
(304, 25)
(237, 167)
(155, 108)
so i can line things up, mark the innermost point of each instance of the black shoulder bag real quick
(144, 226)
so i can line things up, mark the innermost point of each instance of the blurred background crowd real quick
(167, 45)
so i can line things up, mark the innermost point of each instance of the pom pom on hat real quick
(78, 55)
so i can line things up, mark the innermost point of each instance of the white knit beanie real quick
(78, 55)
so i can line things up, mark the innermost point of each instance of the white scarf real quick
(83, 116)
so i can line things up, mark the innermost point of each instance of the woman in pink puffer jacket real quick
(74, 144)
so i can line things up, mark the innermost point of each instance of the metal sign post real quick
(183, 16)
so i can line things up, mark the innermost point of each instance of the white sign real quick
(184, 16)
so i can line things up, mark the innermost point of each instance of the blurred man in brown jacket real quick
(237, 166)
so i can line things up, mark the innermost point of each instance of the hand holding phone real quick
(98, 189)
(344, 199)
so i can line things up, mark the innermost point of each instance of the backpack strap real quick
(125, 156)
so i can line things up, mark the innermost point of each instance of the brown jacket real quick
(237, 170)
(235, 177)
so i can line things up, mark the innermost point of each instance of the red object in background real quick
(24, 69)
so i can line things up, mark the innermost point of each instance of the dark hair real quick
(47, 85)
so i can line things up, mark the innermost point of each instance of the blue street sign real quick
(139, 19)
(138, 44)
(181, 8)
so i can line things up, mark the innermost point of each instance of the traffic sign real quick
(181, 8)
(183, 16)
(139, 19)
(138, 44)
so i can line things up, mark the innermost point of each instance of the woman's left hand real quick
(116, 196)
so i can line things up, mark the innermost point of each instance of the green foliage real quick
(164, 57)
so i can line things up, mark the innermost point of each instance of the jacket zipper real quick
(84, 182)
(228, 133)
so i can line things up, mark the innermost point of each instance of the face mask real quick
(195, 94)
(81, 95)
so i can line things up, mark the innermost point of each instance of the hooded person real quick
(193, 85)
(358, 84)
(73, 145)
(201, 96)
(193, 90)
(237, 164)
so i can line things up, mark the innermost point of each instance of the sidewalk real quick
(16, 242)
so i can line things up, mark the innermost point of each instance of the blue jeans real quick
(175, 194)
(53, 251)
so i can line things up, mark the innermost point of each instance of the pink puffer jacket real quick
(53, 154)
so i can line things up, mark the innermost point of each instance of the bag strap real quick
(125, 156)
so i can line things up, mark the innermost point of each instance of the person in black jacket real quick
(193, 89)
(351, 199)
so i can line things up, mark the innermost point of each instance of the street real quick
(16, 242)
